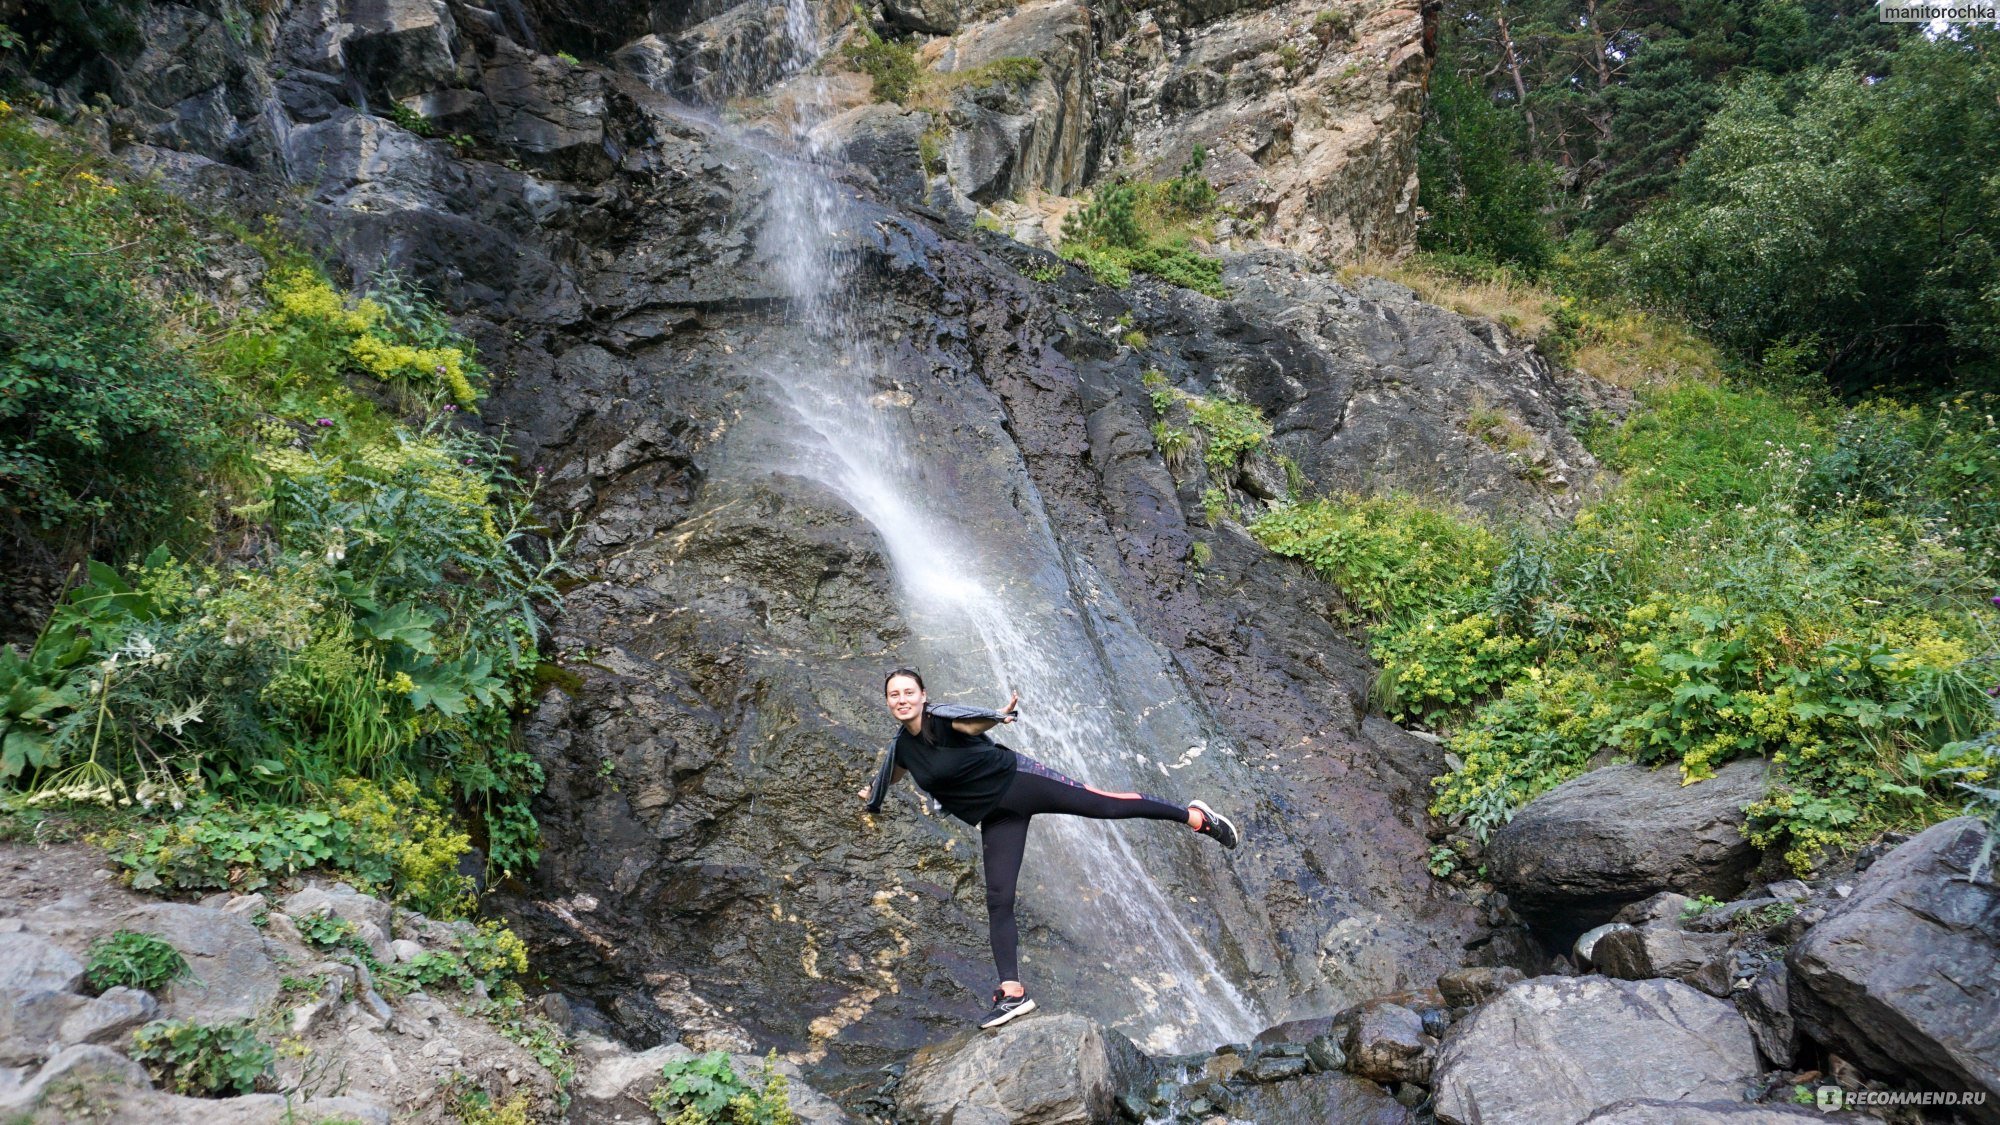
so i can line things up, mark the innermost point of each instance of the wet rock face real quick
(1900, 976)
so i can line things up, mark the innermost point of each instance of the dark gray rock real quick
(649, 60)
(1573, 856)
(1584, 949)
(1388, 1045)
(230, 976)
(1666, 908)
(399, 47)
(1471, 987)
(1276, 1068)
(1655, 1111)
(1767, 1005)
(1557, 1049)
(1900, 977)
(1040, 1070)
(1325, 1054)
(31, 1022)
(1642, 952)
(932, 17)
(1327, 1097)
(109, 1018)
(887, 141)
(1789, 890)
(32, 963)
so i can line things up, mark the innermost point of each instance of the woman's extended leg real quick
(1038, 789)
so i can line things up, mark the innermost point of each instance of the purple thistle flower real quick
(329, 422)
(468, 460)
(450, 408)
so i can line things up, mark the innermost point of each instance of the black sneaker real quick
(1006, 1008)
(1215, 824)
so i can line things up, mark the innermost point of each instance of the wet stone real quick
(1325, 1055)
(1277, 1068)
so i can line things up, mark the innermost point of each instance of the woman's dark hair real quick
(910, 672)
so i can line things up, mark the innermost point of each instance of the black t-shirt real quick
(966, 773)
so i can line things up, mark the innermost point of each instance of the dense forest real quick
(1810, 186)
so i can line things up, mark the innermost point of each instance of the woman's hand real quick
(863, 794)
(1013, 704)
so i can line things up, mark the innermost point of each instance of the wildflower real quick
(451, 408)
(323, 422)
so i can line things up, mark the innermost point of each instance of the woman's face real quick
(906, 699)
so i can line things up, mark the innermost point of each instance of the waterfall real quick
(995, 614)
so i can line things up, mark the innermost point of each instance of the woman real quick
(979, 781)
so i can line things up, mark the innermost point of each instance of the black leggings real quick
(1004, 836)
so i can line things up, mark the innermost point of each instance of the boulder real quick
(1585, 946)
(99, 1069)
(1767, 1005)
(31, 1023)
(1655, 1111)
(109, 1018)
(932, 17)
(1471, 987)
(1901, 976)
(1643, 952)
(1666, 907)
(1047, 1070)
(648, 59)
(343, 902)
(1576, 854)
(1556, 1049)
(400, 47)
(92, 1083)
(1320, 1098)
(1388, 1044)
(615, 1082)
(32, 963)
(229, 974)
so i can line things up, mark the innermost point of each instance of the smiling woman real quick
(946, 751)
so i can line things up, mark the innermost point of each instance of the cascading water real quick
(1002, 613)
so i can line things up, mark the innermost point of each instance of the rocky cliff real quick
(706, 873)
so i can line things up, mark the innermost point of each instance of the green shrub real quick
(1762, 582)
(1214, 505)
(1390, 556)
(104, 420)
(129, 959)
(707, 1091)
(1231, 430)
(891, 63)
(408, 118)
(1148, 228)
(203, 1060)
(394, 840)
